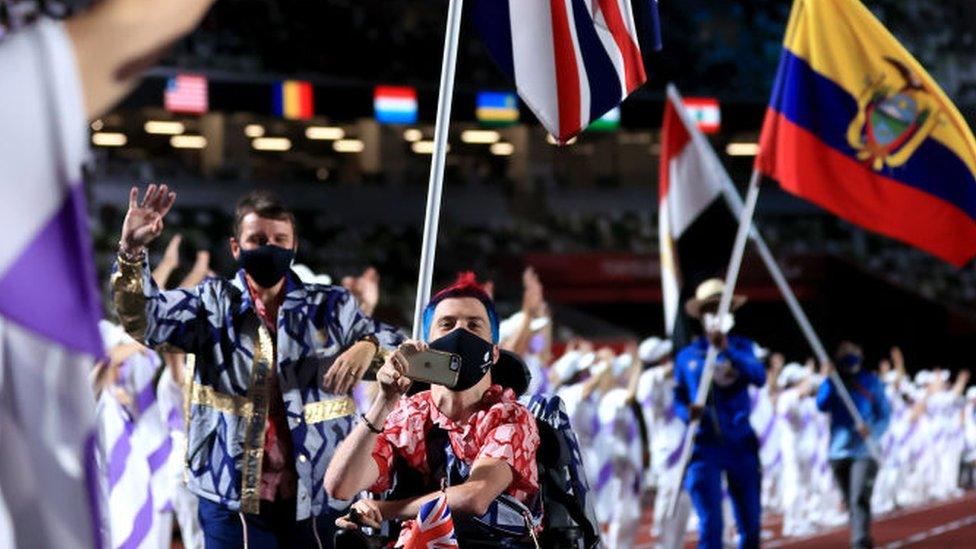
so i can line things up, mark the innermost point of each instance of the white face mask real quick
(711, 322)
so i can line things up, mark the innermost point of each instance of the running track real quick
(944, 525)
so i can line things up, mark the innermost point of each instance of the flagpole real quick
(725, 303)
(818, 349)
(436, 183)
(735, 204)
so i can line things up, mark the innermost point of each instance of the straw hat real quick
(708, 293)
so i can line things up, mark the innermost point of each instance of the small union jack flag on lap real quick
(434, 527)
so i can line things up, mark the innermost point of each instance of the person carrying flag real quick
(726, 442)
(854, 468)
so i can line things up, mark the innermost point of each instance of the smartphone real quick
(434, 367)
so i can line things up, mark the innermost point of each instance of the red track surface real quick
(948, 525)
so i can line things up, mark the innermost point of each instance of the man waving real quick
(275, 360)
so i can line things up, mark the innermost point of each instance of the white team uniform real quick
(617, 485)
(800, 445)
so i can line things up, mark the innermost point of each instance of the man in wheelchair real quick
(473, 442)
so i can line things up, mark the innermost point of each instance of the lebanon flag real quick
(696, 220)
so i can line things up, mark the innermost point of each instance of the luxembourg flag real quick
(49, 304)
(571, 60)
(395, 104)
(698, 212)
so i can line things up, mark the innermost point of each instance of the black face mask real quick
(266, 264)
(475, 353)
(849, 364)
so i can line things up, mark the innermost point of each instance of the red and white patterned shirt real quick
(503, 429)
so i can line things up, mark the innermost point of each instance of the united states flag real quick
(434, 527)
(186, 93)
(571, 60)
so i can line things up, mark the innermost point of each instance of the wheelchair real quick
(555, 520)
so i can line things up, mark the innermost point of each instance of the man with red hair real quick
(485, 461)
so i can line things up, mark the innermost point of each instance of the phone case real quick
(434, 367)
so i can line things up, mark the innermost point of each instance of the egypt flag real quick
(571, 60)
(696, 221)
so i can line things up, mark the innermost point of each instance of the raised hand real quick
(144, 220)
(200, 270)
(897, 359)
(172, 254)
(365, 288)
(532, 294)
(392, 377)
(169, 263)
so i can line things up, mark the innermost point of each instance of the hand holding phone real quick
(434, 367)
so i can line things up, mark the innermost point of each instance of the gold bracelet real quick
(130, 259)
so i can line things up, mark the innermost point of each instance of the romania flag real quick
(293, 99)
(856, 125)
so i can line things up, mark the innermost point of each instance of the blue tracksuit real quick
(726, 442)
(869, 398)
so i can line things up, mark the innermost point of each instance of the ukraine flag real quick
(856, 125)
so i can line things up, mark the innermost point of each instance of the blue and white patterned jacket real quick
(234, 354)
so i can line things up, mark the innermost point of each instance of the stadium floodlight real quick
(188, 141)
(348, 146)
(553, 141)
(276, 144)
(254, 130)
(502, 149)
(164, 127)
(324, 133)
(423, 147)
(742, 149)
(109, 139)
(480, 137)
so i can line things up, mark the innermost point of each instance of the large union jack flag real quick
(434, 527)
(571, 60)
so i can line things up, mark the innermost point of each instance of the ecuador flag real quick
(856, 125)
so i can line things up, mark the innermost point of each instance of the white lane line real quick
(894, 515)
(933, 532)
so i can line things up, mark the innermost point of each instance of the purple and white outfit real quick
(765, 421)
(655, 393)
(799, 442)
(618, 482)
(48, 338)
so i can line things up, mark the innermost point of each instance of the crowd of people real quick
(241, 409)
(927, 441)
(174, 427)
